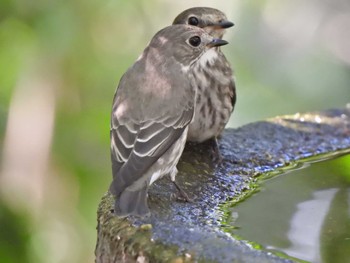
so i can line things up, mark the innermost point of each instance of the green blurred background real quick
(60, 62)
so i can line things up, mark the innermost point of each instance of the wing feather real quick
(152, 140)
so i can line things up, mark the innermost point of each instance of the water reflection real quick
(306, 224)
(304, 213)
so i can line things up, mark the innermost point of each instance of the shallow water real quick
(304, 213)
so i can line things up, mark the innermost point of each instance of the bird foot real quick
(182, 196)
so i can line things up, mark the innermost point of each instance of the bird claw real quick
(182, 196)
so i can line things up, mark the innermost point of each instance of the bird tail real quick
(132, 202)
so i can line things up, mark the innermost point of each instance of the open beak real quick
(216, 42)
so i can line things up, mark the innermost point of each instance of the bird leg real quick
(184, 196)
(215, 151)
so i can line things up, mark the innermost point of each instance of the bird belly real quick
(212, 112)
(213, 107)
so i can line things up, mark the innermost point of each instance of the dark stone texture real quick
(194, 232)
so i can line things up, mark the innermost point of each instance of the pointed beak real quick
(225, 24)
(216, 42)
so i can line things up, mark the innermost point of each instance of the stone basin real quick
(192, 232)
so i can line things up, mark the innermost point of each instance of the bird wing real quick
(135, 147)
(233, 94)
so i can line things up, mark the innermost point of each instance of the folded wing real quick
(135, 147)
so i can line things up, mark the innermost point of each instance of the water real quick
(303, 213)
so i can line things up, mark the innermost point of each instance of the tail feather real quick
(132, 202)
(117, 186)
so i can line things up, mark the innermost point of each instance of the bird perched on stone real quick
(216, 96)
(152, 108)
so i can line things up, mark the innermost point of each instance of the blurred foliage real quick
(80, 49)
(14, 236)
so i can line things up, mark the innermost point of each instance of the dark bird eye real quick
(195, 41)
(193, 21)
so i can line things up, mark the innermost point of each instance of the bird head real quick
(213, 21)
(184, 43)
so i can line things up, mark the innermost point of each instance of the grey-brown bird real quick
(152, 108)
(216, 96)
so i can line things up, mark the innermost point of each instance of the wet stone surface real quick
(190, 232)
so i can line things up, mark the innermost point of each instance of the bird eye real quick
(193, 21)
(195, 41)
